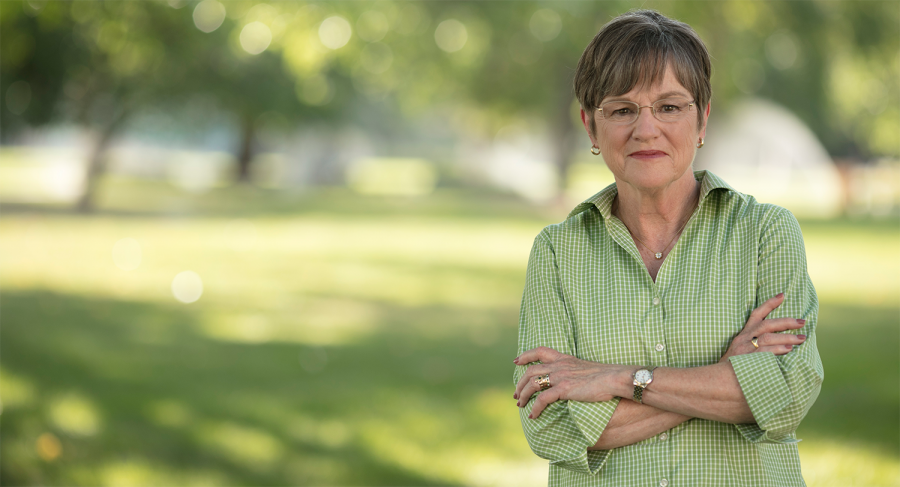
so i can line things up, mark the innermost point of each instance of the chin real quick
(651, 180)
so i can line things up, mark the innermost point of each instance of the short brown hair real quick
(635, 48)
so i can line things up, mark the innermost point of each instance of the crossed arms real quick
(765, 392)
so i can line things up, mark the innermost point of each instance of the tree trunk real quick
(97, 164)
(564, 133)
(245, 152)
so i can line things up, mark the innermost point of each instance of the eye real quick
(670, 108)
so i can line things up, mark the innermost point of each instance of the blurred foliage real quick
(484, 65)
(343, 340)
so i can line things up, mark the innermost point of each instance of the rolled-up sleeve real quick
(781, 389)
(565, 429)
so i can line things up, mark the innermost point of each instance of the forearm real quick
(633, 422)
(711, 392)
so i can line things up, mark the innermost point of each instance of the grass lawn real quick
(343, 340)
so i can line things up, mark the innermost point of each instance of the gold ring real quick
(754, 342)
(543, 382)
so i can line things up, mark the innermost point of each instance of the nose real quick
(645, 127)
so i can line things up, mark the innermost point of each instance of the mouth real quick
(647, 154)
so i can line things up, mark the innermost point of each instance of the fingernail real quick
(802, 337)
(519, 404)
(779, 295)
(788, 347)
(802, 322)
(530, 416)
(516, 360)
(515, 396)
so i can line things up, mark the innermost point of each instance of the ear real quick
(586, 121)
(705, 120)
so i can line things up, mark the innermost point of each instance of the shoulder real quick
(575, 228)
(735, 208)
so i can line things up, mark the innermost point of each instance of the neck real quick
(657, 214)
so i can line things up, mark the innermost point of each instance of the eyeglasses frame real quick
(652, 110)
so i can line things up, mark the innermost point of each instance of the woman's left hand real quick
(570, 379)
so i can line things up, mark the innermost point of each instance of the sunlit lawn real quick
(343, 340)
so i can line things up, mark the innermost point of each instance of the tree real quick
(99, 63)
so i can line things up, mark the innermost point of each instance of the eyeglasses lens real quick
(665, 110)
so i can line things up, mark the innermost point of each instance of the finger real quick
(542, 401)
(780, 339)
(543, 354)
(767, 307)
(777, 349)
(779, 324)
(530, 374)
(529, 390)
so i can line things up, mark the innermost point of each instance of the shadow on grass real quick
(860, 401)
(165, 396)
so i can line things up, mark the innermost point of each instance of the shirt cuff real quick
(591, 419)
(766, 391)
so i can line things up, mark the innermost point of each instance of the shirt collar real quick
(603, 200)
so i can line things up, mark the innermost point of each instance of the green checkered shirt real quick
(588, 294)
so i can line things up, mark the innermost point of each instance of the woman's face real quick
(649, 154)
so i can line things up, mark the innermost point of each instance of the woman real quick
(667, 331)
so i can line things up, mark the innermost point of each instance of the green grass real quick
(343, 340)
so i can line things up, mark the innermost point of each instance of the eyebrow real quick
(662, 96)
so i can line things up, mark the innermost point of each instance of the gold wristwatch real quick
(642, 379)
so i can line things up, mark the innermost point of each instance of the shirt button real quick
(663, 483)
(663, 436)
(655, 301)
(660, 347)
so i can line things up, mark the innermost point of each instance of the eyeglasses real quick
(665, 110)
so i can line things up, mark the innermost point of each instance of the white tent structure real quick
(764, 150)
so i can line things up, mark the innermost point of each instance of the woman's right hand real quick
(766, 332)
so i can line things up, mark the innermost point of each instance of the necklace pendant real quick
(659, 255)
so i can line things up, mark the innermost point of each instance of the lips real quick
(647, 154)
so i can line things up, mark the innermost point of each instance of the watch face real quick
(642, 376)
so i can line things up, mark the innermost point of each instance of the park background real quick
(248, 243)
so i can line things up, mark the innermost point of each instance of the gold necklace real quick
(659, 255)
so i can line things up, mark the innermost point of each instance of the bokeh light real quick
(545, 24)
(209, 15)
(316, 90)
(372, 26)
(187, 287)
(412, 19)
(48, 447)
(335, 32)
(255, 37)
(451, 35)
(781, 49)
(126, 254)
